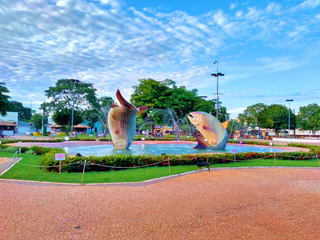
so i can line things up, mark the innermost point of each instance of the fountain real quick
(122, 125)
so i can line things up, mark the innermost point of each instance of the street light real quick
(289, 100)
(217, 76)
(74, 86)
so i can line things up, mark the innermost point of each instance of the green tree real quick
(252, 114)
(152, 93)
(308, 117)
(161, 95)
(62, 98)
(105, 101)
(276, 116)
(182, 101)
(63, 118)
(4, 99)
(24, 113)
(36, 121)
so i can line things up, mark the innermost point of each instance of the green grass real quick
(23, 172)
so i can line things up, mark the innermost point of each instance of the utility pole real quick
(289, 100)
(74, 86)
(217, 76)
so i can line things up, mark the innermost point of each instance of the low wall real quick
(298, 140)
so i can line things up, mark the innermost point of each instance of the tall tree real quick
(37, 120)
(152, 93)
(161, 95)
(276, 116)
(4, 99)
(308, 117)
(24, 113)
(63, 118)
(67, 94)
(252, 114)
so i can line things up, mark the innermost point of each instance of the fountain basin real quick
(156, 149)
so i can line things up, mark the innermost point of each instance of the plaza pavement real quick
(254, 203)
(260, 203)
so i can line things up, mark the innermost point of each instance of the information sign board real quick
(60, 156)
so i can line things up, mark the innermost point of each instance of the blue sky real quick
(269, 51)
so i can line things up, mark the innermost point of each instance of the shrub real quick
(48, 159)
(42, 150)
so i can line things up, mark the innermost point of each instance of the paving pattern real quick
(261, 203)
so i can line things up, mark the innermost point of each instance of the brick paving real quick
(260, 203)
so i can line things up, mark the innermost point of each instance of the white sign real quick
(60, 156)
(19, 144)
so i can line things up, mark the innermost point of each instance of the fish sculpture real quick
(122, 122)
(202, 143)
(211, 128)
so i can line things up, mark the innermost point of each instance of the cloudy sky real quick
(269, 51)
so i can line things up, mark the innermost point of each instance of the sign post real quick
(84, 167)
(60, 157)
(316, 156)
(19, 145)
(234, 154)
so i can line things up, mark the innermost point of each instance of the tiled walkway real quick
(270, 203)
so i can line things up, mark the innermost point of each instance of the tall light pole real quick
(289, 100)
(74, 86)
(217, 76)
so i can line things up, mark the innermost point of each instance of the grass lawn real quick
(24, 172)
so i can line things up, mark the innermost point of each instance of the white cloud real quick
(299, 30)
(309, 4)
(274, 8)
(278, 64)
(253, 14)
(239, 13)
(220, 18)
(107, 44)
(233, 5)
(237, 110)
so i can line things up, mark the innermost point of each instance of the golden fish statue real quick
(211, 129)
(122, 122)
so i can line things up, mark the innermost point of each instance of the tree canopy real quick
(162, 95)
(68, 94)
(276, 116)
(24, 113)
(252, 114)
(309, 117)
(36, 121)
(63, 118)
(4, 99)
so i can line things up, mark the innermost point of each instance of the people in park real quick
(3, 135)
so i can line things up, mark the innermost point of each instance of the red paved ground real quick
(271, 203)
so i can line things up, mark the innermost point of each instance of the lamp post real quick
(217, 76)
(289, 100)
(74, 86)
